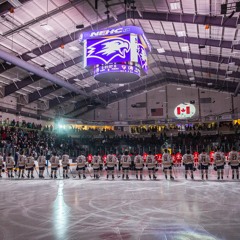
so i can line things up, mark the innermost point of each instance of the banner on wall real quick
(184, 111)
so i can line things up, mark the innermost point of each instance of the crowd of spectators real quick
(32, 137)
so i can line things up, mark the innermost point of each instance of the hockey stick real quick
(36, 171)
(72, 173)
(174, 172)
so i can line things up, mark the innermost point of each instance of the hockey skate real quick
(84, 176)
(136, 176)
(171, 177)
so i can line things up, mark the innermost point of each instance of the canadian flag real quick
(185, 110)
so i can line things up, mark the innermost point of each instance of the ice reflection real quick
(60, 214)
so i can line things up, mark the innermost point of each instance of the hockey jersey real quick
(1, 161)
(81, 161)
(166, 160)
(22, 160)
(65, 160)
(54, 160)
(138, 161)
(150, 161)
(96, 162)
(219, 158)
(41, 161)
(204, 159)
(29, 162)
(111, 160)
(188, 158)
(234, 158)
(9, 162)
(125, 161)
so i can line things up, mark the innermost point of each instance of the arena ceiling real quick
(193, 45)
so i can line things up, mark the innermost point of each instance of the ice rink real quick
(104, 209)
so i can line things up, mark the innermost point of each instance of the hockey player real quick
(219, 162)
(81, 165)
(111, 162)
(151, 164)
(234, 160)
(10, 165)
(54, 160)
(125, 162)
(139, 163)
(65, 165)
(188, 161)
(41, 164)
(30, 165)
(204, 162)
(21, 164)
(1, 164)
(167, 163)
(96, 165)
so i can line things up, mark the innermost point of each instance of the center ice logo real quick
(108, 49)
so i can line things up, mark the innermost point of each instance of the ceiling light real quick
(160, 50)
(114, 91)
(190, 70)
(175, 5)
(61, 96)
(227, 78)
(192, 78)
(235, 42)
(8, 63)
(185, 49)
(38, 88)
(229, 72)
(181, 33)
(209, 84)
(231, 64)
(76, 80)
(193, 85)
(121, 84)
(46, 27)
(128, 90)
(179, 89)
(74, 101)
(15, 3)
(32, 55)
(80, 26)
(161, 90)
(74, 48)
(16, 80)
(187, 60)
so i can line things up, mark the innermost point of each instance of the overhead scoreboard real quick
(116, 55)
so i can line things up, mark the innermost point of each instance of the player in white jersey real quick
(96, 160)
(10, 165)
(30, 165)
(219, 162)
(151, 164)
(111, 162)
(167, 163)
(125, 163)
(81, 165)
(21, 164)
(65, 165)
(233, 161)
(1, 164)
(139, 164)
(204, 162)
(188, 161)
(54, 160)
(41, 164)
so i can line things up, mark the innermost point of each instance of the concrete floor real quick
(104, 209)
